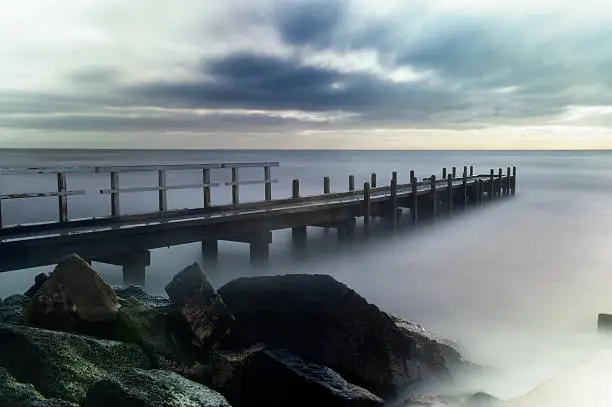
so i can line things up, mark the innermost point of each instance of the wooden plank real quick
(44, 170)
(162, 194)
(157, 188)
(206, 187)
(154, 168)
(62, 201)
(251, 182)
(235, 186)
(41, 194)
(268, 186)
(114, 186)
(251, 165)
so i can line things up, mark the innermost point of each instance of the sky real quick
(355, 74)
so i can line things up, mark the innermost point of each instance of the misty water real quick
(518, 284)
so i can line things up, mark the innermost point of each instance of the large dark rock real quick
(326, 322)
(463, 400)
(62, 365)
(205, 311)
(74, 298)
(604, 323)
(15, 394)
(151, 388)
(39, 281)
(260, 377)
(12, 309)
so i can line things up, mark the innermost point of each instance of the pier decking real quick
(126, 239)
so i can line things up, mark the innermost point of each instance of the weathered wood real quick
(491, 182)
(1, 221)
(134, 268)
(415, 200)
(114, 186)
(235, 186)
(464, 187)
(62, 200)
(367, 211)
(373, 180)
(259, 251)
(411, 175)
(454, 172)
(513, 183)
(449, 189)
(507, 182)
(351, 183)
(206, 186)
(154, 188)
(393, 201)
(471, 170)
(295, 189)
(268, 187)
(326, 186)
(444, 173)
(434, 197)
(345, 230)
(500, 176)
(394, 175)
(210, 251)
(162, 196)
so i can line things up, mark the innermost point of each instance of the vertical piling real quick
(454, 172)
(444, 173)
(235, 186)
(326, 187)
(411, 175)
(500, 175)
(162, 194)
(114, 185)
(62, 199)
(449, 186)
(393, 205)
(210, 252)
(298, 234)
(507, 183)
(491, 181)
(434, 197)
(373, 180)
(464, 187)
(206, 186)
(367, 211)
(351, 183)
(513, 183)
(268, 185)
(415, 199)
(471, 170)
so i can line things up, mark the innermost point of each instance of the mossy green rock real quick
(151, 388)
(63, 365)
(15, 394)
(11, 309)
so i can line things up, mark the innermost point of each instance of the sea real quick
(517, 284)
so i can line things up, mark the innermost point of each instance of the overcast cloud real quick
(266, 72)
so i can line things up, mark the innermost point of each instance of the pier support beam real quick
(345, 230)
(260, 250)
(134, 265)
(298, 237)
(210, 251)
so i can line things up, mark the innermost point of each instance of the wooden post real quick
(499, 187)
(513, 183)
(433, 195)
(464, 187)
(206, 183)
(373, 180)
(114, 185)
(491, 179)
(235, 186)
(210, 251)
(1, 223)
(260, 250)
(411, 175)
(135, 266)
(394, 175)
(394, 216)
(326, 188)
(298, 234)
(351, 183)
(268, 187)
(507, 184)
(367, 212)
(465, 169)
(444, 173)
(161, 182)
(477, 194)
(62, 199)
(450, 192)
(471, 170)
(454, 172)
(415, 199)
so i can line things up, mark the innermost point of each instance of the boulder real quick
(151, 388)
(189, 285)
(265, 377)
(464, 400)
(206, 313)
(164, 335)
(11, 309)
(39, 280)
(434, 356)
(604, 323)
(73, 298)
(135, 292)
(63, 365)
(15, 394)
(326, 322)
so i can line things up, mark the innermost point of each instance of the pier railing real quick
(62, 193)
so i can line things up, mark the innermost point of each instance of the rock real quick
(205, 311)
(11, 309)
(164, 335)
(324, 321)
(433, 355)
(74, 298)
(15, 394)
(39, 280)
(604, 323)
(473, 400)
(60, 364)
(151, 388)
(135, 292)
(481, 399)
(190, 285)
(260, 377)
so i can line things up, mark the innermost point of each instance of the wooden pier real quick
(126, 239)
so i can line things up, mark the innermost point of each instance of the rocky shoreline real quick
(299, 340)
